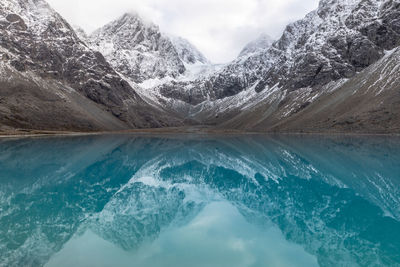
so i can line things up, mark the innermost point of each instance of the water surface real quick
(200, 201)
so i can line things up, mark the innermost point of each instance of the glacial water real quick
(200, 201)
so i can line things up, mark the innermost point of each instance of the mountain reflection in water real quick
(205, 201)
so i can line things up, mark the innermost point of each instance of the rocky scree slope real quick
(367, 103)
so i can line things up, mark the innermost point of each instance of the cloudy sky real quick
(219, 28)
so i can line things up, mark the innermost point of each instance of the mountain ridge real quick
(131, 75)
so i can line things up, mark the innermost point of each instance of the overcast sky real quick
(218, 28)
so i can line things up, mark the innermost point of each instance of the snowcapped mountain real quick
(144, 55)
(138, 50)
(335, 41)
(322, 54)
(81, 33)
(262, 43)
(187, 52)
(50, 79)
(314, 55)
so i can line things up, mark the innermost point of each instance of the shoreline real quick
(177, 130)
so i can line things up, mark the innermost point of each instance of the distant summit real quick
(187, 52)
(260, 44)
(137, 49)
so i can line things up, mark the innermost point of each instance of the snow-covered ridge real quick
(37, 15)
(333, 42)
(262, 43)
(137, 49)
(187, 52)
(141, 52)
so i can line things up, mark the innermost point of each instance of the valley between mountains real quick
(337, 70)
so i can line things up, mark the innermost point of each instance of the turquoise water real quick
(200, 201)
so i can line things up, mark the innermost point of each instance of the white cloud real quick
(219, 28)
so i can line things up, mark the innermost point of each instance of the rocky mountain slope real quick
(52, 80)
(366, 103)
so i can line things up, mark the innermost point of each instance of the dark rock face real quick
(192, 93)
(368, 31)
(359, 41)
(384, 30)
(227, 86)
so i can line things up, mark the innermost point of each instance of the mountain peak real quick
(263, 42)
(80, 32)
(134, 18)
(137, 49)
(130, 16)
(187, 52)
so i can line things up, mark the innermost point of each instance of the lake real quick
(131, 200)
